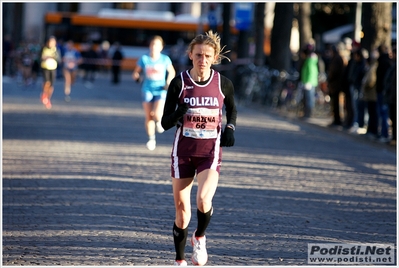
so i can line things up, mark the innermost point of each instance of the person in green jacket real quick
(309, 79)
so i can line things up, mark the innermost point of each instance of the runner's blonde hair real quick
(211, 39)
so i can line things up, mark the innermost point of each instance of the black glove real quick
(227, 139)
(180, 111)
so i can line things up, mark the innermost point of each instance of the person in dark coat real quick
(351, 85)
(117, 58)
(91, 63)
(368, 93)
(335, 78)
(361, 56)
(384, 63)
(390, 94)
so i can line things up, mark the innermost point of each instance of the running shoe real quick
(151, 144)
(44, 99)
(200, 256)
(180, 263)
(159, 127)
(48, 105)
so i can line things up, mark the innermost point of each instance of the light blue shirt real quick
(154, 72)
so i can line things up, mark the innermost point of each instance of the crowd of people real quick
(23, 62)
(362, 87)
(358, 85)
(361, 84)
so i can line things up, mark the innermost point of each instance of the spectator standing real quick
(349, 88)
(104, 57)
(321, 89)
(369, 94)
(354, 75)
(360, 56)
(326, 55)
(117, 58)
(335, 77)
(71, 60)
(384, 63)
(309, 79)
(91, 65)
(390, 93)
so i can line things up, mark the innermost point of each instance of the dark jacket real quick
(336, 73)
(384, 63)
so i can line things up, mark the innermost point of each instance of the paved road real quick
(80, 187)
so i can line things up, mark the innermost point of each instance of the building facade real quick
(25, 21)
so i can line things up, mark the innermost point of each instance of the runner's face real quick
(52, 42)
(70, 45)
(156, 46)
(202, 56)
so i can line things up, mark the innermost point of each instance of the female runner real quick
(199, 94)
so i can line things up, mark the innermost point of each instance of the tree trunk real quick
(280, 57)
(226, 40)
(305, 25)
(243, 45)
(259, 33)
(226, 26)
(377, 25)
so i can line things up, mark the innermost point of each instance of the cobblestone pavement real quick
(80, 187)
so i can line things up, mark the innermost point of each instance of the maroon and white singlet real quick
(199, 135)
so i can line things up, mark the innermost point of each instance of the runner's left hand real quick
(227, 138)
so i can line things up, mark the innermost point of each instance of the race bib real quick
(51, 64)
(155, 72)
(71, 65)
(201, 123)
(70, 60)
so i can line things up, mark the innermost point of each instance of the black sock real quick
(179, 238)
(203, 221)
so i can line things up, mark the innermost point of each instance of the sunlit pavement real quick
(81, 188)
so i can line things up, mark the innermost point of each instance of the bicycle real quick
(283, 89)
(252, 82)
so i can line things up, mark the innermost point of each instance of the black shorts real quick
(49, 76)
